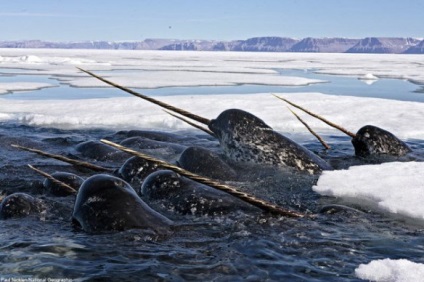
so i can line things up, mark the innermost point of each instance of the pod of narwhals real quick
(117, 200)
(123, 198)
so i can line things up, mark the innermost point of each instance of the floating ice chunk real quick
(399, 189)
(31, 59)
(368, 78)
(155, 79)
(4, 117)
(388, 270)
(47, 61)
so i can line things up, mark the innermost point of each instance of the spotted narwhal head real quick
(239, 134)
(246, 138)
(369, 140)
(234, 121)
(107, 203)
(236, 130)
(372, 140)
(135, 170)
(20, 205)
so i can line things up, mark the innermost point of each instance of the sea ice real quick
(396, 187)
(223, 67)
(388, 270)
(369, 78)
(130, 112)
(7, 87)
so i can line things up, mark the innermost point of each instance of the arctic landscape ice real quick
(44, 90)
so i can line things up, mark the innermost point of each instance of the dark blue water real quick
(234, 247)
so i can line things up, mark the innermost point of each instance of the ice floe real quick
(396, 187)
(388, 270)
(131, 112)
(7, 87)
(264, 65)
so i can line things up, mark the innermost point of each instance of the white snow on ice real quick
(392, 187)
(369, 78)
(395, 187)
(258, 67)
(131, 112)
(6, 87)
(387, 270)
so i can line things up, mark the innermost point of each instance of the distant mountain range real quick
(382, 45)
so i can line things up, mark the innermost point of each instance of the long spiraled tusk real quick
(58, 182)
(264, 205)
(63, 159)
(147, 98)
(326, 146)
(345, 131)
(191, 123)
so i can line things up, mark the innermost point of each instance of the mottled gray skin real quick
(135, 170)
(107, 203)
(371, 140)
(140, 143)
(246, 138)
(186, 196)
(20, 205)
(206, 163)
(71, 179)
(100, 152)
(154, 135)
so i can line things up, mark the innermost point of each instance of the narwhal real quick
(370, 140)
(247, 138)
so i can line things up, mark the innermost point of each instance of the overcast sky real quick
(212, 19)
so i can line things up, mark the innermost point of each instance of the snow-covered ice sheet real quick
(131, 112)
(155, 79)
(387, 270)
(223, 67)
(149, 69)
(6, 87)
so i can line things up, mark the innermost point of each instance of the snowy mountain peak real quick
(383, 45)
(256, 44)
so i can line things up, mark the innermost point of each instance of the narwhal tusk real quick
(191, 123)
(326, 146)
(147, 98)
(63, 159)
(264, 205)
(345, 131)
(58, 182)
